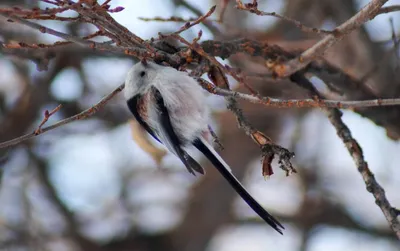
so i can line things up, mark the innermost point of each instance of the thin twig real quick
(80, 116)
(188, 25)
(252, 7)
(197, 12)
(395, 44)
(170, 19)
(300, 103)
(46, 117)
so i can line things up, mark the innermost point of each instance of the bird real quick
(171, 106)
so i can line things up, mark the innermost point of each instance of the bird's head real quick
(140, 78)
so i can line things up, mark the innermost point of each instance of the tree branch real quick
(355, 150)
(300, 103)
(83, 115)
(367, 13)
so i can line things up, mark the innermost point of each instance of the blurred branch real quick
(196, 11)
(252, 8)
(72, 225)
(328, 213)
(40, 54)
(224, 4)
(188, 25)
(389, 9)
(53, 32)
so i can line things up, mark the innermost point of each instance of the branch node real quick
(46, 117)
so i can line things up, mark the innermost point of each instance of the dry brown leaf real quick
(140, 137)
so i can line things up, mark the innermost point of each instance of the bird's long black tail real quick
(224, 169)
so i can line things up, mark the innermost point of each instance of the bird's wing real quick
(166, 132)
(133, 107)
(202, 145)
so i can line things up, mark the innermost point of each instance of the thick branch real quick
(367, 13)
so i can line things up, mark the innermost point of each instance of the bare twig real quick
(46, 117)
(188, 25)
(282, 103)
(170, 19)
(80, 116)
(197, 12)
(367, 13)
(395, 44)
(252, 7)
(224, 4)
(372, 185)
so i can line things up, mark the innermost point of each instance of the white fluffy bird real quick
(171, 106)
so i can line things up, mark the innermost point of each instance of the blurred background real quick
(90, 186)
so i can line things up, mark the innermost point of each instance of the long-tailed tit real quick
(171, 106)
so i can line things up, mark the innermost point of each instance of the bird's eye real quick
(142, 73)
